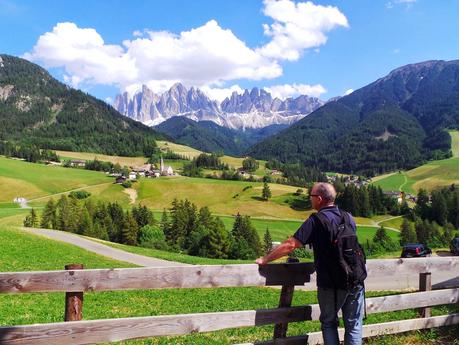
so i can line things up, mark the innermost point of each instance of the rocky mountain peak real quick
(253, 109)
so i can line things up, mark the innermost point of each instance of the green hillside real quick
(397, 122)
(428, 176)
(29, 180)
(38, 109)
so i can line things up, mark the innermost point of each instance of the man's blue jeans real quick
(351, 303)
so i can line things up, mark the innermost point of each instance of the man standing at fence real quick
(336, 289)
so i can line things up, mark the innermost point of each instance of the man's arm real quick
(281, 250)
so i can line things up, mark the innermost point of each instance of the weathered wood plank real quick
(84, 332)
(201, 276)
(370, 330)
(156, 278)
(98, 331)
(389, 267)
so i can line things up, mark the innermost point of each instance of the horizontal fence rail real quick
(393, 327)
(202, 276)
(285, 275)
(87, 332)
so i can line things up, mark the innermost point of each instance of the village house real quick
(78, 163)
(120, 179)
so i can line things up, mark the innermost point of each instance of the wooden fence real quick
(75, 282)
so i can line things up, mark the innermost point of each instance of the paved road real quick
(102, 249)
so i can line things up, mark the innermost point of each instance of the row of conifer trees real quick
(183, 228)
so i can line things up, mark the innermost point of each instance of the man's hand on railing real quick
(261, 261)
(280, 251)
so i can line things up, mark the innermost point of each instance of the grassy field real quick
(128, 161)
(428, 176)
(235, 162)
(29, 180)
(22, 252)
(222, 197)
(455, 142)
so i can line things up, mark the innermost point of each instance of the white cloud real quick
(208, 56)
(298, 27)
(294, 90)
(348, 92)
(84, 55)
(219, 94)
(396, 51)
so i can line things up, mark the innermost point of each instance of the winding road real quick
(102, 249)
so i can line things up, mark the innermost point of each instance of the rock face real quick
(252, 109)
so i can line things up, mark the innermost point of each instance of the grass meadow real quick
(428, 176)
(222, 197)
(21, 252)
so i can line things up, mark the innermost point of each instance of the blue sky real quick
(323, 48)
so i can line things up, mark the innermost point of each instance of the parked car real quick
(415, 250)
(454, 246)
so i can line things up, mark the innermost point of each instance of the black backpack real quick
(345, 255)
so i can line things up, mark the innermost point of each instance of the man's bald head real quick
(326, 191)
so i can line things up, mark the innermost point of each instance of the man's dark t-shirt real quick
(311, 232)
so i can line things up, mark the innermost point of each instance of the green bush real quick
(151, 236)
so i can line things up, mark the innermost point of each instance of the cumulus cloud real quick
(348, 92)
(298, 27)
(293, 90)
(84, 55)
(207, 56)
(219, 94)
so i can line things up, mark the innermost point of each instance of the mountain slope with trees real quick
(207, 136)
(36, 109)
(397, 122)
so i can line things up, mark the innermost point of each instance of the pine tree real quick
(63, 213)
(31, 221)
(266, 193)
(422, 231)
(243, 231)
(407, 233)
(422, 208)
(268, 242)
(85, 225)
(49, 216)
(439, 208)
(117, 216)
(218, 242)
(130, 229)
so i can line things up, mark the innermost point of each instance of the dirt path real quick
(132, 194)
(102, 249)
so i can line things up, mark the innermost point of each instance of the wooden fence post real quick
(73, 300)
(425, 284)
(285, 300)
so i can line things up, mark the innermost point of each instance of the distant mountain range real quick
(396, 122)
(37, 109)
(207, 136)
(254, 109)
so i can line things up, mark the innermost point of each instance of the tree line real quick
(183, 228)
(367, 201)
(30, 153)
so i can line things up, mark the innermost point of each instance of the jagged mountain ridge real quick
(254, 109)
